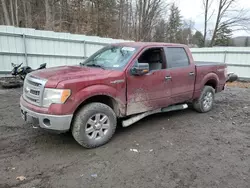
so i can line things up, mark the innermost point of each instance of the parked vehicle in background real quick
(126, 80)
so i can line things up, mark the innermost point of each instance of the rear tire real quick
(94, 125)
(206, 100)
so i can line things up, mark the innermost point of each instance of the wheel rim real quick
(208, 100)
(97, 126)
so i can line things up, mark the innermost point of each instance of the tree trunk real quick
(65, 15)
(16, 8)
(60, 17)
(79, 17)
(205, 23)
(48, 16)
(25, 13)
(216, 24)
(121, 5)
(29, 15)
(6, 13)
(1, 17)
(98, 19)
(12, 12)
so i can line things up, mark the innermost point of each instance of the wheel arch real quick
(212, 80)
(102, 98)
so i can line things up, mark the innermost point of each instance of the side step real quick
(138, 117)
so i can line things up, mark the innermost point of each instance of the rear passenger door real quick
(182, 74)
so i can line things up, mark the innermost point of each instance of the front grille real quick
(33, 90)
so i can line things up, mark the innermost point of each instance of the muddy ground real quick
(178, 149)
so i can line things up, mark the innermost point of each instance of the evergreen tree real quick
(198, 39)
(174, 25)
(223, 37)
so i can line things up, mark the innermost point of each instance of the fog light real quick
(46, 122)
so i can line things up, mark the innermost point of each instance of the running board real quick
(138, 117)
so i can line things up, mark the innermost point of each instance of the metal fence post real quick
(25, 49)
(225, 56)
(84, 48)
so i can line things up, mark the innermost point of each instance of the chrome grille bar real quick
(33, 89)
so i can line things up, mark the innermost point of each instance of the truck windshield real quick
(111, 57)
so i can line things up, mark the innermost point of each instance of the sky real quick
(193, 9)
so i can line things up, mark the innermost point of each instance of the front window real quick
(111, 57)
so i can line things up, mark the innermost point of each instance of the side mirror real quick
(140, 69)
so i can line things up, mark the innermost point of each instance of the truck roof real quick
(147, 44)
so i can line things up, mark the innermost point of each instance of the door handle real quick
(191, 74)
(168, 78)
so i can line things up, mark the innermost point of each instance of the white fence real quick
(237, 58)
(33, 47)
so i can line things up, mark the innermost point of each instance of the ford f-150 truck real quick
(125, 81)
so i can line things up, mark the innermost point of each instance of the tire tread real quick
(197, 104)
(83, 115)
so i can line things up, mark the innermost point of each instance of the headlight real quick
(55, 96)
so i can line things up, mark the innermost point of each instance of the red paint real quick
(137, 93)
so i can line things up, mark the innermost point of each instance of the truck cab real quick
(125, 80)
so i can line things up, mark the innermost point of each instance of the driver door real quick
(152, 90)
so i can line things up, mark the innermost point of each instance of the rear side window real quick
(176, 57)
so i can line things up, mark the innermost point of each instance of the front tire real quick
(94, 125)
(206, 100)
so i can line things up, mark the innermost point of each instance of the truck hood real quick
(58, 74)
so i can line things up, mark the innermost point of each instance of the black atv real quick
(18, 73)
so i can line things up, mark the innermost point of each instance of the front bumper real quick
(57, 123)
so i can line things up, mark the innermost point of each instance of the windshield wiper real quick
(94, 65)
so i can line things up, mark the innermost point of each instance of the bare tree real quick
(16, 13)
(49, 15)
(146, 13)
(12, 12)
(127, 19)
(237, 19)
(27, 12)
(5, 12)
(1, 16)
(206, 5)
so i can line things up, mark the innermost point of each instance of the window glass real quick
(176, 57)
(111, 57)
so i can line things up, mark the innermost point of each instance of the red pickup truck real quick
(126, 81)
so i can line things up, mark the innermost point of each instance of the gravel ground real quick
(177, 149)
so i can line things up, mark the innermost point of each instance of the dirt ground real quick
(178, 149)
(239, 84)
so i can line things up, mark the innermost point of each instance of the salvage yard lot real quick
(177, 149)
